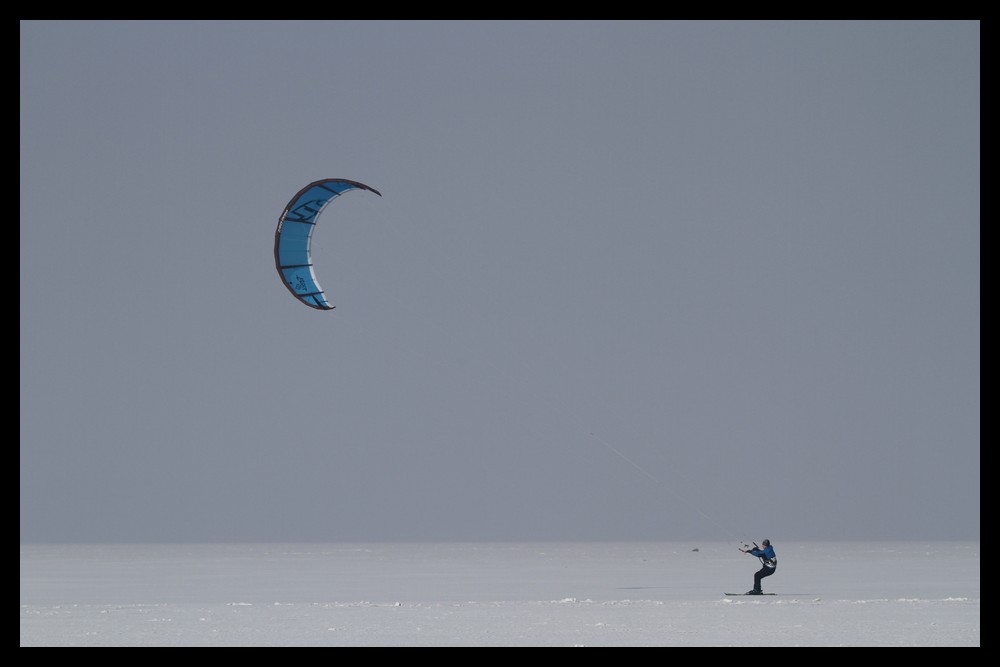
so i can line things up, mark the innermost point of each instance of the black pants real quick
(761, 573)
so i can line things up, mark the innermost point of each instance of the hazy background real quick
(627, 281)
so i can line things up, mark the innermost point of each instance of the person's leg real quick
(761, 573)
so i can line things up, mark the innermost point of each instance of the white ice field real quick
(486, 594)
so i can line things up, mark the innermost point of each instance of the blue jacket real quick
(766, 555)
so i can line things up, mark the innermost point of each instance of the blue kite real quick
(293, 238)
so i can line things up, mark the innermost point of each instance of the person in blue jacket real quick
(766, 554)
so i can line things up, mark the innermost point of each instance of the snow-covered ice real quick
(486, 594)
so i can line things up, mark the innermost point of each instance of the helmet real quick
(767, 543)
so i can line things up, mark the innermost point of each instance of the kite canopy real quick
(293, 238)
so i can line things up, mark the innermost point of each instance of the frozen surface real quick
(557, 594)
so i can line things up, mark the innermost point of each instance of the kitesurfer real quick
(766, 554)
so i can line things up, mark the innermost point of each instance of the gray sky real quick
(626, 281)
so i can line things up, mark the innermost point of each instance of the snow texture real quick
(485, 594)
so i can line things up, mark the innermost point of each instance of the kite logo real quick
(307, 212)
